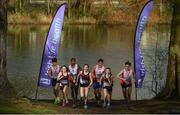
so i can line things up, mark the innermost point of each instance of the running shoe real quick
(85, 106)
(104, 104)
(74, 106)
(58, 100)
(108, 105)
(55, 101)
(63, 103)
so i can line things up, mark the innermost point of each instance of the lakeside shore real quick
(114, 18)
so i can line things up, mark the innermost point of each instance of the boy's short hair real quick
(54, 60)
(100, 60)
(127, 63)
(73, 59)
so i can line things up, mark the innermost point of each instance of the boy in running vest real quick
(74, 69)
(97, 74)
(53, 73)
(126, 77)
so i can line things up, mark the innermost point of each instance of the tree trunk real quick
(84, 8)
(20, 5)
(69, 8)
(108, 2)
(172, 88)
(48, 7)
(5, 89)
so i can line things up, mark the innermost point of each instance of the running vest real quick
(127, 77)
(84, 79)
(99, 72)
(64, 80)
(105, 82)
(74, 71)
(55, 71)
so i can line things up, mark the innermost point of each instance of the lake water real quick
(87, 43)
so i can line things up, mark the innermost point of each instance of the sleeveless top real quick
(84, 79)
(74, 70)
(64, 80)
(98, 72)
(105, 82)
(55, 71)
(126, 77)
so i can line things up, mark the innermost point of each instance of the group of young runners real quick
(76, 78)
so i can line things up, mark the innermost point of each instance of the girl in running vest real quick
(63, 79)
(126, 77)
(85, 79)
(74, 70)
(53, 72)
(107, 83)
(97, 74)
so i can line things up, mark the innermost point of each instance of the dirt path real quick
(153, 106)
(24, 105)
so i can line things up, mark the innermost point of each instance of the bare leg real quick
(108, 98)
(86, 94)
(129, 89)
(95, 94)
(99, 94)
(73, 93)
(124, 93)
(55, 93)
(56, 90)
(86, 91)
(62, 91)
(65, 93)
(82, 93)
(105, 97)
(76, 92)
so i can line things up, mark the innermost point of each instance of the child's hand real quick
(88, 87)
(133, 80)
(74, 81)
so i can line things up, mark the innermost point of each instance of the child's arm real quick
(78, 77)
(71, 78)
(133, 77)
(119, 75)
(93, 73)
(110, 80)
(91, 80)
(49, 72)
(59, 76)
(79, 69)
(100, 81)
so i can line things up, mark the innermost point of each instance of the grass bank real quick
(24, 105)
(97, 16)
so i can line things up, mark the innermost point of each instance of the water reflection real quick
(87, 43)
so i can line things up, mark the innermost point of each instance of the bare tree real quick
(173, 76)
(157, 62)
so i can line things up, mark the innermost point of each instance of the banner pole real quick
(36, 92)
(136, 94)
